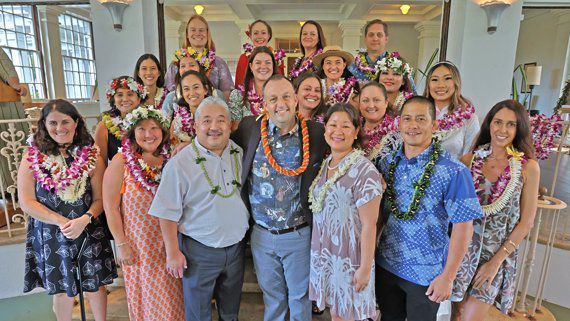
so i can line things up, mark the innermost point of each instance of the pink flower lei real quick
(360, 62)
(187, 120)
(278, 54)
(457, 118)
(300, 67)
(145, 176)
(544, 129)
(339, 92)
(499, 187)
(375, 135)
(53, 175)
(255, 100)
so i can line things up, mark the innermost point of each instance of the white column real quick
(486, 61)
(351, 33)
(428, 35)
(172, 36)
(49, 17)
(117, 51)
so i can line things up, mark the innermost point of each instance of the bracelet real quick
(507, 250)
(121, 244)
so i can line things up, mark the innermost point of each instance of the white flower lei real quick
(380, 146)
(144, 112)
(317, 203)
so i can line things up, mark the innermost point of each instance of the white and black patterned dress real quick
(50, 255)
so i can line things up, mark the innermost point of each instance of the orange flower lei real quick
(267, 149)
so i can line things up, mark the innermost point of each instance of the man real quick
(375, 39)
(416, 260)
(277, 173)
(198, 201)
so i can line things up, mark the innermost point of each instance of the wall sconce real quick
(494, 10)
(199, 9)
(405, 8)
(116, 9)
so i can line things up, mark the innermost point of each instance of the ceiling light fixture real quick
(405, 8)
(301, 23)
(199, 8)
(116, 9)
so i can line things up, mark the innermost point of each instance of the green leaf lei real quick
(420, 185)
(215, 189)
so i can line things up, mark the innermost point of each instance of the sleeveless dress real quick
(152, 294)
(50, 255)
(113, 144)
(488, 238)
(335, 243)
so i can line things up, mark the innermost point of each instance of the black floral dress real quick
(50, 256)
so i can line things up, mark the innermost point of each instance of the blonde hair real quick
(209, 43)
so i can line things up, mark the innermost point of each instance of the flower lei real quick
(114, 125)
(206, 58)
(317, 202)
(183, 122)
(300, 67)
(159, 97)
(544, 129)
(360, 62)
(502, 190)
(128, 83)
(144, 112)
(401, 99)
(453, 121)
(53, 174)
(267, 149)
(377, 137)
(255, 100)
(340, 91)
(420, 185)
(215, 189)
(394, 61)
(145, 176)
(278, 54)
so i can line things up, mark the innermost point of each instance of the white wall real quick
(537, 42)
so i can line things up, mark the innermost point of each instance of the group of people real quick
(352, 191)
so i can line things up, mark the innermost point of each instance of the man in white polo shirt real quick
(203, 218)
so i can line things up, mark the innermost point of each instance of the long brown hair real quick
(522, 141)
(249, 74)
(43, 140)
(209, 43)
(321, 43)
(457, 99)
(321, 109)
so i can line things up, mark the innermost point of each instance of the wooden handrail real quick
(8, 94)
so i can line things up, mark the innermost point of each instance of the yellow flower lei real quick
(113, 125)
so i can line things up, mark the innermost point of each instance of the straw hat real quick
(329, 51)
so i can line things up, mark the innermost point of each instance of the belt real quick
(285, 231)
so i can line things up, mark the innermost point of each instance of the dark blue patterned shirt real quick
(416, 249)
(275, 198)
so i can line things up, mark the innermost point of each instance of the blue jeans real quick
(282, 264)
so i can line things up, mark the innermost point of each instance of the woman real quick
(124, 94)
(336, 80)
(312, 40)
(260, 34)
(379, 124)
(506, 177)
(130, 184)
(345, 200)
(248, 99)
(149, 73)
(310, 97)
(59, 186)
(458, 124)
(394, 73)
(199, 39)
(194, 87)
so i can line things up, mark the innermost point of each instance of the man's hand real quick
(439, 289)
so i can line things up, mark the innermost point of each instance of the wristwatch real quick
(90, 216)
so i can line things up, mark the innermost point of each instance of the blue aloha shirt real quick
(360, 76)
(416, 249)
(275, 199)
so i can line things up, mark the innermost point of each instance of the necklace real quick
(215, 189)
(114, 125)
(183, 124)
(347, 162)
(375, 137)
(145, 176)
(267, 149)
(360, 62)
(401, 99)
(301, 66)
(338, 92)
(420, 185)
(503, 189)
(453, 121)
(254, 99)
(52, 173)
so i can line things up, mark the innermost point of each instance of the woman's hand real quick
(361, 278)
(485, 275)
(125, 255)
(21, 90)
(73, 228)
(175, 264)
